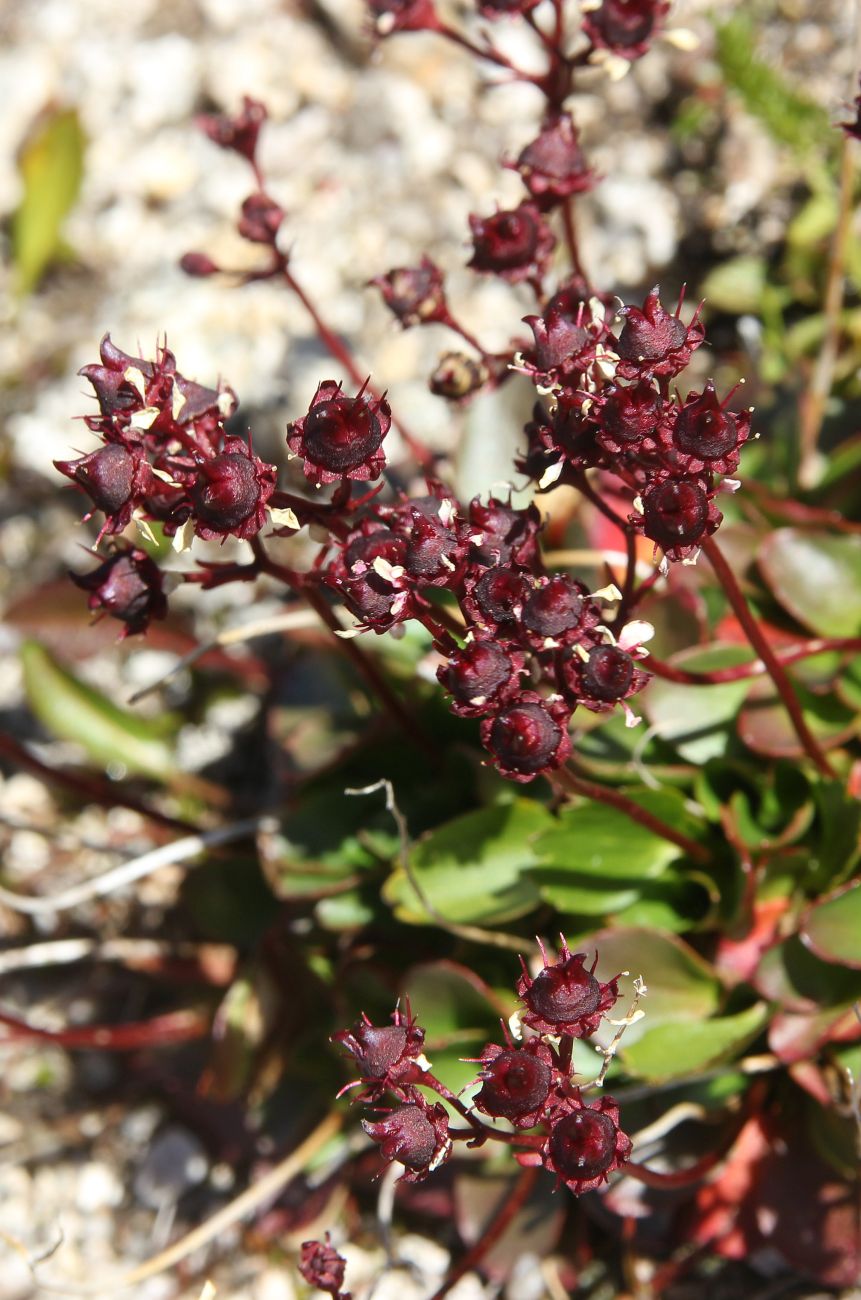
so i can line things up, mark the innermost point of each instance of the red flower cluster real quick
(522, 628)
(611, 409)
(528, 1085)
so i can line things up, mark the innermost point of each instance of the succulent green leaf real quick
(676, 1048)
(51, 164)
(474, 869)
(816, 577)
(833, 927)
(71, 709)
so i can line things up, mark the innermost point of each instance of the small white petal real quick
(183, 537)
(682, 38)
(284, 518)
(551, 474)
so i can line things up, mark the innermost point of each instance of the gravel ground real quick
(376, 157)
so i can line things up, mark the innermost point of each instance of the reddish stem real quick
(509, 1207)
(754, 668)
(160, 1031)
(571, 240)
(344, 357)
(759, 641)
(615, 799)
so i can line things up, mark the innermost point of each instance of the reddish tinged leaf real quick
(718, 1201)
(795, 1036)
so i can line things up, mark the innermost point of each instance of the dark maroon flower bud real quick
(239, 132)
(414, 294)
(230, 492)
(708, 436)
(653, 342)
(528, 737)
(625, 27)
(558, 339)
(322, 1267)
(506, 8)
(416, 1135)
(198, 265)
(516, 1083)
(628, 415)
(403, 16)
(128, 586)
(585, 1144)
(557, 607)
(261, 219)
(481, 676)
(434, 555)
(564, 997)
(496, 599)
(386, 1055)
(108, 477)
(499, 534)
(340, 437)
(368, 575)
(458, 376)
(113, 391)
(607, 676)
(515, 243)
(552, 165)
(677, 515)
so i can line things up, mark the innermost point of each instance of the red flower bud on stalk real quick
(515, 243)
(416, 1135)
(565, 997)
(322, 1267)
(239, 132)
(341, 436)
(128, 587)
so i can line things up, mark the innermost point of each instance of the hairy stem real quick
(759, 641)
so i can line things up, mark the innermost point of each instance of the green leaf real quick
(72, 710)
(816, 577)
(839, 841)
(597, 841)
(736, 286)
(681, 986)
(475, 868)
(789, 117)
(452, 1002)
(833, 927)
(765, 726)
(677, 1048)
(51, 164)
(694, 719)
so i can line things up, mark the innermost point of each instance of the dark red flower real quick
(415, 1134)
(552, 165)
(322, 1267)
(368, 574)
(238, 132)
(261, 219)
(528, 738)
(627, 416)
(516, 1083)
(677, 515)
(515, 243)
(557, 611)
(608, 675)
(434, 554)
(230, 492)
(341, 436)
(110, 477)
(128, 586)
(481, 676)
(498, 534)
(403, 16)
(564, 997)
(414, 294)
(705, 436)
(585, 1143)
(653, 342)
(625, 27)
(495, 599)
(386, 1055)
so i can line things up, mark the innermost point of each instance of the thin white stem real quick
(128, 872)
(129, 952)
